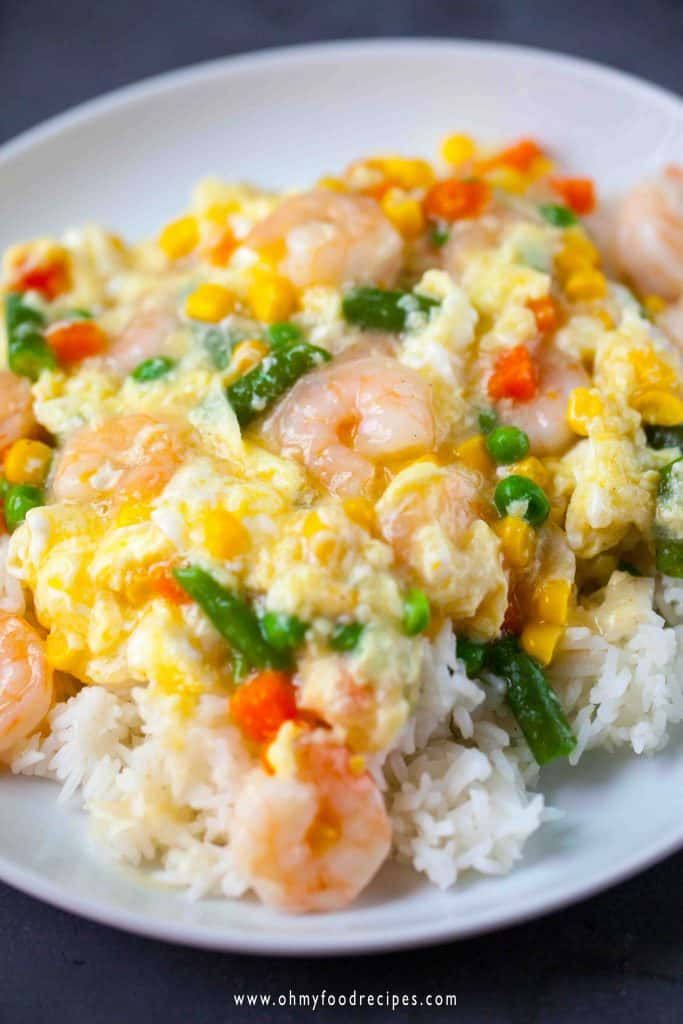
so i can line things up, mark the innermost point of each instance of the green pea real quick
(283, 632)
(557, 215)
(152, 369)
(282, 333)
(439, 235)
(416, 612)
(20, 499)
(472, 654)
(669, 557)
(346, 637)
(517, 495)
(507, 444)
(487, 420)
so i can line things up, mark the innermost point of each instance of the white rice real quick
(159, 788)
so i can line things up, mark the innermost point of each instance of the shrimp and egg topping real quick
(268, 454)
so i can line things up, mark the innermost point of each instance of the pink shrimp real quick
(649, 235)
(16, 409)
(330, 238)
(127, 456)
(312, 841)
(544, 418)
(25, 681)
(342, 419)
(145, 335)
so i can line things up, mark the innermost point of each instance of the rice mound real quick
(159, 786)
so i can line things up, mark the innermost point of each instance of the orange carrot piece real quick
(76, 340)
(456, 199)
(263, 703)
(578, 194)
(546, 314)
(515, 375)
(49, 279)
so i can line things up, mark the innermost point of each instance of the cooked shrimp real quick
(145, 335)
(649, 234)
(329, 238)
(16, 409)
(468, 237)
(544, 417)
(671, 321)
(128, 456)
(313, 841)
(25, 681)
(342, 419)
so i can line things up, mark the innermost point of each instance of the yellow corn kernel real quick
(533, 469)
(576, 240)
(405, 172)
(540, 641)
(132, 513)
(585, 286)
(473, 454)
(654, 304)
(404, 213)
(179, 238)
(357, 764)
(313, 524)
(509, 179)
(458, 149)
(518, 540)
(331, 183)
(271, 296)
(224, 535)
(210, 303)
(27, 462)
(550, 602)
(541, 167)
(218, 213)
(651, 370)
(658, 406)
(247, 355)
(583, 406)
(605, 318)
(361, 512)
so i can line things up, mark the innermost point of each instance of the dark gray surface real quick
(618, 957)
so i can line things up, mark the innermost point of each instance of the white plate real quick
(282, 118)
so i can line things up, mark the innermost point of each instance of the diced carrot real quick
(263, 703)
(520, 155)
(456, 199)
(164, 584)
(220, 252)
(515, 375)
(578, 194)
(75, 340)
(50, 279)
(546, 314)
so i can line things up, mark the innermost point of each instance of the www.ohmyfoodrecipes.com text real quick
(315, 1001)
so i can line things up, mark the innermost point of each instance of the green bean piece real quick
(283, 632)
(532, 701)
(346, 637)
(78, 314)
(439, 235)
(472, 654)
(232, 617)
(19, 500)
(27, 350)
(664, 437)
(515, 490)
(507, 444)
(487, 420)
(375, 309)
(258, 389)
(416, 612)
(283, 333)
(668, 528)
(557, 215)
(152, 369)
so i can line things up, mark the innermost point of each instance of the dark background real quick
(618, 957)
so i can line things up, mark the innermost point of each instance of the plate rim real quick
(30, 881)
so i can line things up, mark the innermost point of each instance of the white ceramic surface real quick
(280, 118)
